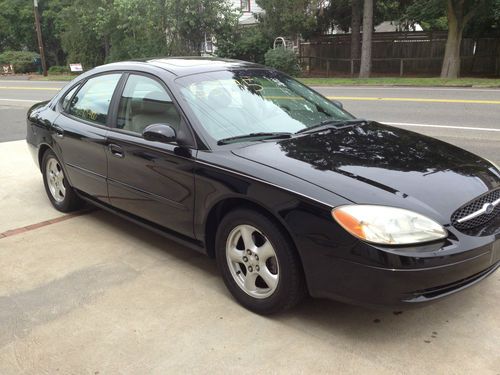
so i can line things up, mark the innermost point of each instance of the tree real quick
(430, 14)
(289, 18)
(111, 30)
(459, 13)
(245, 43)
(460, 17)
(347, 15)
(366, 48)
(17, 29)
(84, 41)
(50, 11)
(135, 30)
(191, 22)
(355, 28)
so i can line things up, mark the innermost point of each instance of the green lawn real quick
(52, 77)
(396, 81)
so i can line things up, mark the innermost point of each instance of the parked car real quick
(289, 192)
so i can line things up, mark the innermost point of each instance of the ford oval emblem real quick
(489, 208)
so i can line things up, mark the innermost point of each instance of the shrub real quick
(22, 61)
(283, 59)
(58, 69)
(248, 44)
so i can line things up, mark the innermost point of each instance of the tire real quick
(60, 193)
(259, 264)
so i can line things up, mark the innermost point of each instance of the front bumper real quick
(34, 152)
(374, 286)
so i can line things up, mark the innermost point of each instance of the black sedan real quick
(290, 193)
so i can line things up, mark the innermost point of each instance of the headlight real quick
(387, 225)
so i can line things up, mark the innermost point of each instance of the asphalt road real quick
(467, 117)
(15, 99)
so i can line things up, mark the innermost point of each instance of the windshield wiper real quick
(332, 124)
(263, 135)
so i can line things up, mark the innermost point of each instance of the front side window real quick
(144, 101)
(236, 103)
(92, 101)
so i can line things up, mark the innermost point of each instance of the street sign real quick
(76, 67)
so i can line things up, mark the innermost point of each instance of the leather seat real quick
(151, 110)
(229, 120)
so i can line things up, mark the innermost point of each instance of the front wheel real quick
(60, 193)
(259, 265)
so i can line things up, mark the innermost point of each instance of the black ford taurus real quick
(290, 193)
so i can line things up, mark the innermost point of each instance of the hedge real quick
(58, 69)
(22, 61)
(283, 59)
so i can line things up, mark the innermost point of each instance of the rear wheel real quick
(60, 193)
(258, 263)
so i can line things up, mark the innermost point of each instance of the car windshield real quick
(233, 104)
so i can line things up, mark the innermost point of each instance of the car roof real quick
(188, 65)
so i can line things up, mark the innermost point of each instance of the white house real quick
(248, 8)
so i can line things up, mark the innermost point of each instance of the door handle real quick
(58, 131)
(116, 150)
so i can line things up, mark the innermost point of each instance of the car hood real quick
(380, 164)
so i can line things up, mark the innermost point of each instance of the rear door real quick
(81, 131)
(152, 180)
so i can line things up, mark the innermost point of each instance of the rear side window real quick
(92, 101)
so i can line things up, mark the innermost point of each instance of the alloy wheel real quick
(252, 261)
(55, 180)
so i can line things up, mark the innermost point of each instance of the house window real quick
(245, 5)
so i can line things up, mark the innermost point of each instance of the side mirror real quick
(336, 103)
(159, 133)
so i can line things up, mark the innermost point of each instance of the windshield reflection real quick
(235, 103)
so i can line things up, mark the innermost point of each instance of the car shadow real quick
(323, 318)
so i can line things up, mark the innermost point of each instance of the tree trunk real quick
(355, 28)
(457, 19)
(107, 48)
(366, 48)
(451, 61)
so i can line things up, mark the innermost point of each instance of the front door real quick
(150, 179)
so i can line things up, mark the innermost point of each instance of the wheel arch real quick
(42, 149)
(226, 205)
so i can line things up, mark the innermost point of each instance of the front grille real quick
(474, 206)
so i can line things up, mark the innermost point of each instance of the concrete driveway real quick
(93, 294)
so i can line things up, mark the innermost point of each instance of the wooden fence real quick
(399, 53)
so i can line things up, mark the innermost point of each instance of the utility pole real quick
(39, 37)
